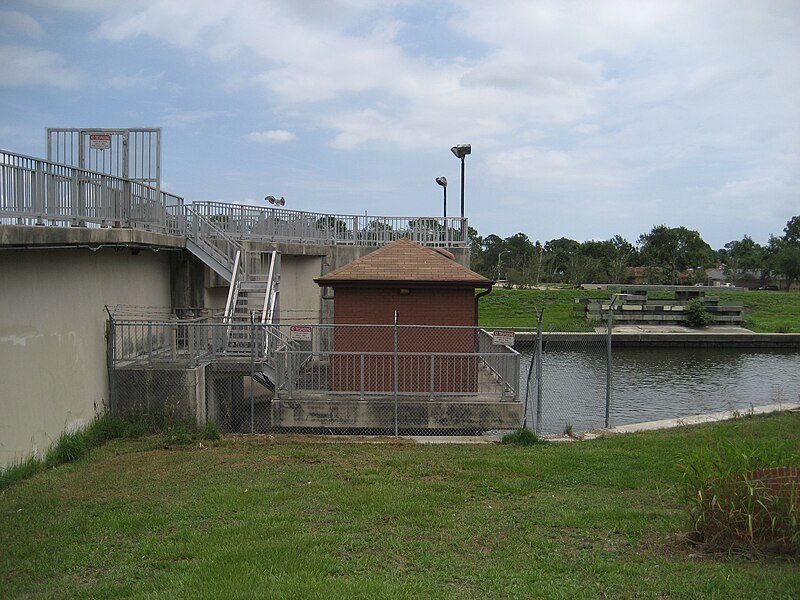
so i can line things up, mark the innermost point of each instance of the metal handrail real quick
(245, 221)
(211, 238)
(34, 191)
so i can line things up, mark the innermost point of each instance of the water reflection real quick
(658, 383)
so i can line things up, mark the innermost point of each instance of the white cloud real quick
(273, 135)
(138, 80)
(179, 118)
(544, 167)
(18, 22)
(640, 99)
(29, 66)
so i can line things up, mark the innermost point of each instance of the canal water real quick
(656, 383)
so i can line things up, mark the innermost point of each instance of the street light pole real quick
(442, 181)
(460, 151)
(498, 261)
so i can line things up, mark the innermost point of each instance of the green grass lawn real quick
(768, 311)
(764, 311)
(517, 308)
(264, 517)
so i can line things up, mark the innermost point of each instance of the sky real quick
(586, 119)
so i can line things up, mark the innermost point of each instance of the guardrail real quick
(252, 222)
(40, 192)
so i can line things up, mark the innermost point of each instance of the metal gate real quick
(133, 154)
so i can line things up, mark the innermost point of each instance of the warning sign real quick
(503, 338)
(300, 333)
(100, 141)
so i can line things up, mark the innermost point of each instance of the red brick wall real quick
(454, 307)
(419, 307)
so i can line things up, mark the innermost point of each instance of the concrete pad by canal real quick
(682, 421)
(675, 329)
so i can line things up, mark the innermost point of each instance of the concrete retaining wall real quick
(379, 414)
(53, 374)
(700, 339)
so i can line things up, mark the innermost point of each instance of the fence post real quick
(433, 379)
(609, 386)
(538, 427)
(252, 369)
(361, 369)
(396, 374)
(110, 361)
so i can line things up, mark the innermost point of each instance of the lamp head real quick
(461, 150)
(442, 181)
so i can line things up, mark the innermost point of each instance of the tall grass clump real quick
(522, 437)
(19, 470)
(740, 500)
(74, 445)
(69, 447)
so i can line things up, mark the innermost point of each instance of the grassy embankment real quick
(764, 311)
(289, 518)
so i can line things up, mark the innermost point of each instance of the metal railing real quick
(337, 360)
(40, 192)
(495, 358)
(215, 242)
(252, 222)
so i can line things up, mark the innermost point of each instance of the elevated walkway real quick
(40, 192)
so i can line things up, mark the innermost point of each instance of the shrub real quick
(736, 501)
(522, 437)
(697, 315)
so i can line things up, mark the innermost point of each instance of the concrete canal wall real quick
(707, 339)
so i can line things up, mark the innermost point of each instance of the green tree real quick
(558, 256)
(519, 260)
(743, 256)
(675, 249)
(333, 225)
(791, 233)
(476, 250)
(622, 257)
(787, 263)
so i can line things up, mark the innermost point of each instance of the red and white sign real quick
(300, 333)
(100, 141)
(503, 338)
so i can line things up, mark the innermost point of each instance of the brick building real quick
(426, 286)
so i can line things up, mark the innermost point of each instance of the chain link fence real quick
(364, 379)
(420, 380)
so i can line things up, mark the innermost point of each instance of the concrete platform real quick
(438, 414)
(680, 422)
(29, 236)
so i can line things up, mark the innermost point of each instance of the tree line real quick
(665, 255)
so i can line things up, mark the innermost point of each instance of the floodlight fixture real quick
(461, 150)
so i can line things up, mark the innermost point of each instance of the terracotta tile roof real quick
(404, 261)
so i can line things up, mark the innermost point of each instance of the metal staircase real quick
(252, 307)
